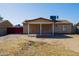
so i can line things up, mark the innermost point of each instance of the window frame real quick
(64, 28)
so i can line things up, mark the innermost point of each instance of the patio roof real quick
(40, 22)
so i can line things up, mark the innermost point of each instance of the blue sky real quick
(17, 13)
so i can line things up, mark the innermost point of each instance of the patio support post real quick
(40, 29)
(28, 29)
(53, 29)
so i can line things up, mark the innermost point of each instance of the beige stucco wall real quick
(59, 28)
(25, 28)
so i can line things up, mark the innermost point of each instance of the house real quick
(4, 24)
(43, 26)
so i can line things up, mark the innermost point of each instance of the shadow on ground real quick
(57, 36)
(3, 35)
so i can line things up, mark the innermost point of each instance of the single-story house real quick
(4, 24)
(46, 26)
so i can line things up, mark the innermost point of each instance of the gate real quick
(15, 30)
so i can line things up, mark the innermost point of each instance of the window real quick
(64, 28)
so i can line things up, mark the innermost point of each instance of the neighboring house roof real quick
(2, 21)
(5, 23)
(57, 21)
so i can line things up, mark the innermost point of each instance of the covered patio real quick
(41, 28)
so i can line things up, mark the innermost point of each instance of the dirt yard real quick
(67, 45)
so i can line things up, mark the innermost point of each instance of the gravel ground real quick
(69, 41)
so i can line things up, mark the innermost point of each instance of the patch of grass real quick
(32, 48)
